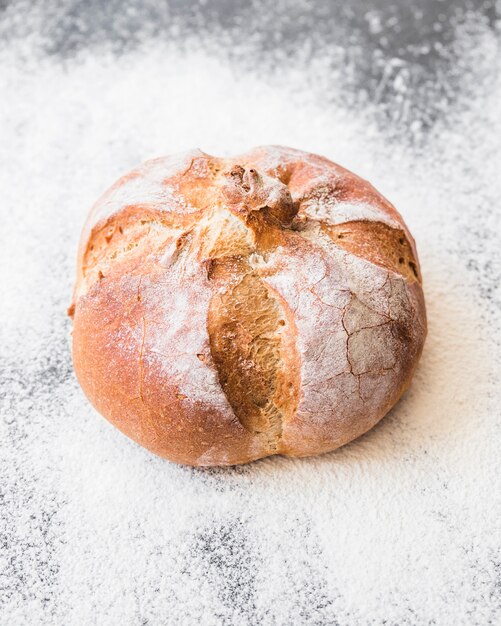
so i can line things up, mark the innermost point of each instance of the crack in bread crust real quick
(246, 327)
(377, 242)
(250, 332)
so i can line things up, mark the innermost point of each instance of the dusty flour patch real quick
(401, 526)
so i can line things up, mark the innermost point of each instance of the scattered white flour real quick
(400, 527)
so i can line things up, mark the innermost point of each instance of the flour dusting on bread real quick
(278, 305)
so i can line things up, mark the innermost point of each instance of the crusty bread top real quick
(175, 192)
(276, 288)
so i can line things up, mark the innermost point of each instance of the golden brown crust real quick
(229, 309)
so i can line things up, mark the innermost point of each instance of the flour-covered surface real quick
(401, 527)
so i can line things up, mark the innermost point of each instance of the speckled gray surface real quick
(401, 527)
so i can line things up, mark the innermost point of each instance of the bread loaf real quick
(227, 309)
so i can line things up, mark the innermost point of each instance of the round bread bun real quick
(228, 309)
